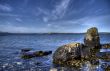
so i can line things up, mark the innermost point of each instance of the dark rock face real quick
(92, 38)
(66, 54)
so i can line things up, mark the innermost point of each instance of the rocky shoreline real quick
(76, 54)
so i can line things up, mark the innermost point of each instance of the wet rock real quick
(42, 53)
(104, 55)
(28, 55)
(75, 54)
(92, 38)
(106, 46)
(94, 62)
(68, 54)
(104, 65)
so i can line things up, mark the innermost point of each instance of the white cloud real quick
(18, 19)
(49, 25)
(5, 7)
(45, 19)
(94, 21)
(84, 23)
(57, 12)
(61, 8)
(43, 11)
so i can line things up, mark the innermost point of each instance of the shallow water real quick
(11, 45)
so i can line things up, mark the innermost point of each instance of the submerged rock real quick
(28, 55)
(42, 53)
(66, 54)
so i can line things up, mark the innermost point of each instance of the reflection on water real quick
(11, 45)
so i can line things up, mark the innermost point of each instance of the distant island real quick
(49, 33)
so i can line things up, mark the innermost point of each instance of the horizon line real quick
(45, 32)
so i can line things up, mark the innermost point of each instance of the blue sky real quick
(38, 16)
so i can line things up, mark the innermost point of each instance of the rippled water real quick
(11, 45)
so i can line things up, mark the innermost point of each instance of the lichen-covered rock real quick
(92, 38)
(67, 54)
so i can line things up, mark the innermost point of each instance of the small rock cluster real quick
(27, 53)
(75, 54)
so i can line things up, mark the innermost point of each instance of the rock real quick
(66, 54)
(75, 54)
(106, 46)
(91, 44)
(104, 65)
(47, 52)
(28, 55)
(94, 62)
(92, 38)
(104, 55)
(42, 53)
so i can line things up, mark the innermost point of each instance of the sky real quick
(43, 16)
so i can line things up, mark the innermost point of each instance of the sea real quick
(11, 45)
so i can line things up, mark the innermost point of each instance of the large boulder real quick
(92, 38)
(68, 54)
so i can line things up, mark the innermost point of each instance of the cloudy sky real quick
(34, 16)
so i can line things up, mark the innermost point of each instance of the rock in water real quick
(75, 54)
(66, 54)
(92, 44)
(28, 55)
(92, 38)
